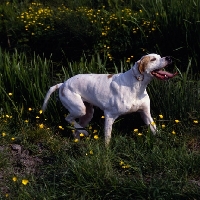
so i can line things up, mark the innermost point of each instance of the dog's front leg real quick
(109, 120)
(146, 116)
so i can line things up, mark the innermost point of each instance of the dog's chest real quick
(127, 99)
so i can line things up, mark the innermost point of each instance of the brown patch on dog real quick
(110, 75)
(142, 65)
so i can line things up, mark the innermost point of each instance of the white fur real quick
(116, 95)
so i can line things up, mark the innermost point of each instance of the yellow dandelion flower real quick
(72, 123)
(40, 111)
(163, 125)
(153, 123)
(196, 121)
(25, 181)
(76, 140)
(73, 131)
(95, 131)
(135, 130)
(7, 195)
(126, 166)
(3, 134)
(121, 162)
(161, 116)
(139, 134)
(90, 127)
(173, 132)
(176, 120)
(96, 137)
(12, 138)
(14, 178)
(91, 152)
(82, 135)
(41, 125)
(102, 117)
(37, 117)
(10, 94)
(30, 109)
(26, 121)
(60, 127)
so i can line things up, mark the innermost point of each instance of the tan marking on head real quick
(142, 65)
(110, 75)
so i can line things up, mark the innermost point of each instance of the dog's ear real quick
(142, 64)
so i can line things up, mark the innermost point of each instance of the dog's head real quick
(153, 65)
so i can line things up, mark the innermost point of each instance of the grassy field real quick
(39, 158)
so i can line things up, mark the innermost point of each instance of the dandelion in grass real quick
(72, 123)
(40, 111)
(14, 178)
(90, 127)
(26, 121)
(10, 94)
(95, 131)
(195, 121)
(12, 138)
(30, 109)
(102, 117)
(177, 121)
(76, 140)
(96, 137)
(121, 162)
(7, 195)
(163, 125)
(60, 127)
(135, 130)
(139, 134)
(91, 152)
(3, 134)
(37, 117)
(173, 132)
(41, 125)
(82, 135)
(126, 166)
(25, 181)
(161, 116)
(153, 123)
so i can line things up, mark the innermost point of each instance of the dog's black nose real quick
(168, 58)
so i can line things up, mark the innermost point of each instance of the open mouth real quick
(163, 75)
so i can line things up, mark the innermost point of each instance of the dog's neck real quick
(140, 76)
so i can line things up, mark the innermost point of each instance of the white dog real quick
(115, 94)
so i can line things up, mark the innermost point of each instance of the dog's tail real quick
(51, 90)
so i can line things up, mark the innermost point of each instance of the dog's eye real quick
(153, 59)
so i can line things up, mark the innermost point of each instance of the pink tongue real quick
(163, 74)
(170, 75)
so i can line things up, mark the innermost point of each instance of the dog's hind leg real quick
(77, 109)
(85, 119)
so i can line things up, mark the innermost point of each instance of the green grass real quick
(39, 158)
(40, 148)
(133, 167)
